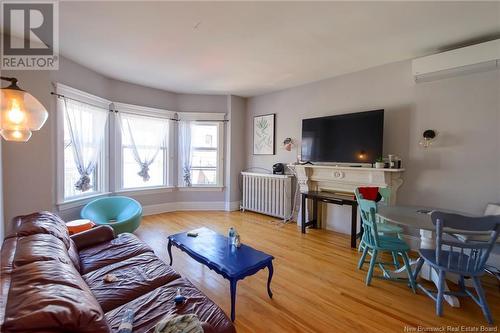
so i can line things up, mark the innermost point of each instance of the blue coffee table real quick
(216, 252)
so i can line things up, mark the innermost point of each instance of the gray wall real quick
(460, 172)
(235, 147)
(29, 169)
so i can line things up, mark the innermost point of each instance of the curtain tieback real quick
(187, 176)
(83, 184)
(144, 173)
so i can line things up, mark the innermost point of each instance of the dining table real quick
(419, 218)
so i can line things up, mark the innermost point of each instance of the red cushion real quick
(369, 193)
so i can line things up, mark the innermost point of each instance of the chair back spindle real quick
(368, 210)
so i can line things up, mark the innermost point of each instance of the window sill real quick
(145, 190)
(73, 203)
(201, 189)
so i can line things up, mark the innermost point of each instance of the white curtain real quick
(86, 127)
(146, 136)
(185, 151)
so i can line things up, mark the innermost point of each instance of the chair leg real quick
(440, 294)
(406, 261)
(363, 256)
(418, 267)
(372, 266)
(395, 259)
(482, 299)
(461, 283)
(361, 245)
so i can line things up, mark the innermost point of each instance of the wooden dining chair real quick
(375, 244)
(384, 228)
(468, 260)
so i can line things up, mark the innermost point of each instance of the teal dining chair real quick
(465, 258)
(383, 227)
(376, 244)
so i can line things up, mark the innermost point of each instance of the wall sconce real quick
(20, 113)
(428, 138)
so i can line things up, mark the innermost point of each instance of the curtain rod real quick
(116, 111)
(76, 100)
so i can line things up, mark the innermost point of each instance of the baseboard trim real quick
(232, 206)
(177, 206)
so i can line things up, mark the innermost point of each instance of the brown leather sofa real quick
(51, 282)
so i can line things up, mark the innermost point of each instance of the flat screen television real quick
(346, 138)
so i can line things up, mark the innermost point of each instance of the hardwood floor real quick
(316, 285)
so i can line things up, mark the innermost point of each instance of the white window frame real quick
(213, 119)
(168, 152)
(103, 165)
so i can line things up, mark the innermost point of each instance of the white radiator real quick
(267, 194)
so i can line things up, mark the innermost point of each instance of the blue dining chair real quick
(375, 244)
(468, 260)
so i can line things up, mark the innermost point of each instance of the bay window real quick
(144, 148)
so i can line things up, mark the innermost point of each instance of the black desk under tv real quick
(333, 198)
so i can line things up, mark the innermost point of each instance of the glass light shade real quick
(16, 135)
(20, 111)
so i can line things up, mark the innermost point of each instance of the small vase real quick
(379, 165)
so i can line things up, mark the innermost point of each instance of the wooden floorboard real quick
(316, 285)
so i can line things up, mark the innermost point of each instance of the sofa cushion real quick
(42, 223)
(152, 307)
(40, 247)
(136, 276)
(121, 248)
(51, 296)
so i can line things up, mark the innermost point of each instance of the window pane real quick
(204, 158)
(203, 176)
(131, 168)
(204, 136)
(71, 175)
(148, 134)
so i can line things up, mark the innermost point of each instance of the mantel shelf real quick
(339, 167)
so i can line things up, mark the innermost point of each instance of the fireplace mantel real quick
(346, 179)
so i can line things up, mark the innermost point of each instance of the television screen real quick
(346, 138)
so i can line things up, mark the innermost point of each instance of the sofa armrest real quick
(93, 236)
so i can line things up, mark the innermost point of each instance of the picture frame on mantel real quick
(264, 127)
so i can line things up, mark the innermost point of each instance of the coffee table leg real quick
(169, 248)
(271, 270)
(233, 298)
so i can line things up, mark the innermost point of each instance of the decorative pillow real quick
(369, 193)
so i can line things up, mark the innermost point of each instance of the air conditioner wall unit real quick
(465, 60)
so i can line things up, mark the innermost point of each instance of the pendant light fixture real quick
(20, 113)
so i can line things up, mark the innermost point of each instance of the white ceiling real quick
(251, 48)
